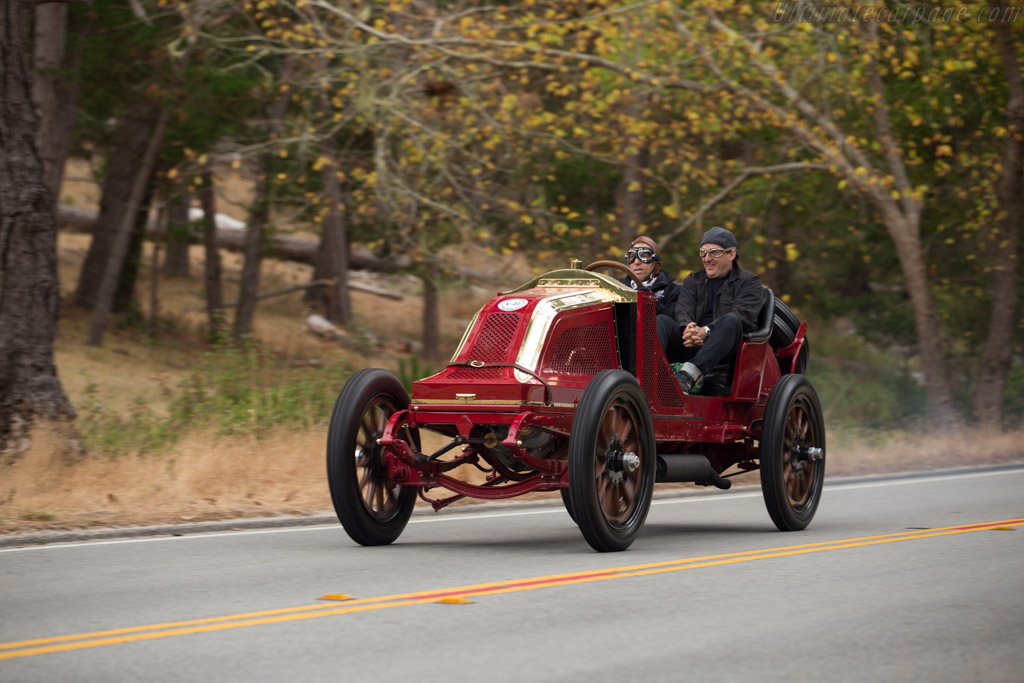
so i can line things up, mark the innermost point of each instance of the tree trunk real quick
(630, 204)
(123, 236)
(29, 291)
(177, 236)
(594, 219)
(254, 240)
(214, 296)
(629, 199)
(54, 96)
(431, 314)
(941, 407)
(250, 287)
(132, 142)
(335, 244)
(124, 298)
(154, 279)
(996, 354)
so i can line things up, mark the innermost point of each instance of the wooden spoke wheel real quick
(792, 453)
(611, 461)
(567, 502)
(372, 510)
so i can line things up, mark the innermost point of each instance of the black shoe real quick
(690, 378)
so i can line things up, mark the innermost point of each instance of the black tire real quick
(791, 479)
(784, 330)
(608, 501)
(786, 313)
(567, 501)
(371, 513)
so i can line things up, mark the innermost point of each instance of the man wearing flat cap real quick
(715, 307)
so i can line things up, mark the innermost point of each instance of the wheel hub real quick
(372, 459)
(800, 454)
(620, 462)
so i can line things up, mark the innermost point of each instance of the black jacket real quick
(740, 294)
(665, 288)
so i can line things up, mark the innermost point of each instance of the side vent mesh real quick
(669, 393)
(583, 350)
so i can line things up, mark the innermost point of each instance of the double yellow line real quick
(39, 646)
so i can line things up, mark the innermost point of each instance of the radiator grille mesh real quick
(491, 346)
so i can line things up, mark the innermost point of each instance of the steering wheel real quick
(615, 264)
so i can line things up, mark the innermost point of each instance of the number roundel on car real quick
(511, 304)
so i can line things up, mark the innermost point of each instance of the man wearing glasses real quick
(644, 258)
(713, 309)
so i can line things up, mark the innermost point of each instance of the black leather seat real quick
(718, 382)
(765, 319)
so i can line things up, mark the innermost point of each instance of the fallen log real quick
(358, 286)
(325, 328)
(284, 247)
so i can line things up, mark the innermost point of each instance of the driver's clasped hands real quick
(694, 335)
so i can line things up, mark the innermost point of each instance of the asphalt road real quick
(900, 579)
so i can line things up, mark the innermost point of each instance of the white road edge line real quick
(514, 513)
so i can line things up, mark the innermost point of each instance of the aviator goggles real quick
(714, 253)
(645, 254)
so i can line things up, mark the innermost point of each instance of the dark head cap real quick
(722, 237)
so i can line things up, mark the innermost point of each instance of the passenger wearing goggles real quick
(644, 258)
(714, 307)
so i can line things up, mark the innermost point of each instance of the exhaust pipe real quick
(686, 468)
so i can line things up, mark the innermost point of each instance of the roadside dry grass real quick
(284, 474)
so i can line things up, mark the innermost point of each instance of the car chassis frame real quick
(509, 412)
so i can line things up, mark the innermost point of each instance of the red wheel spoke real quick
(629, 491)
(366, 425)
(628, 434)
(382, 418)
(602, 491)
(614, 419)
(605, 434)
(363, 459)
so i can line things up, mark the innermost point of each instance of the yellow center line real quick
(27, 648)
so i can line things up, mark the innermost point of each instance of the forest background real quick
(868, 156)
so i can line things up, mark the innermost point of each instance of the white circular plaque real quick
(511, 304)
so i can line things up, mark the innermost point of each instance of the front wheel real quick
(611, 461)
(567, 502)
(372, 512)
(792, 453)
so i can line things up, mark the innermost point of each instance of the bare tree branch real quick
(732, 185)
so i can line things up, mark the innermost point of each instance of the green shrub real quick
(411, 370)
(238, 389)
(862, 395)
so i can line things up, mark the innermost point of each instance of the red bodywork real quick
(517, 420)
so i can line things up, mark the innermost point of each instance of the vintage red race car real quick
(561, 384)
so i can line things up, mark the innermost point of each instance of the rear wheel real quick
(372, 512)
(611, 461)
(792, 453)
(784, 329)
